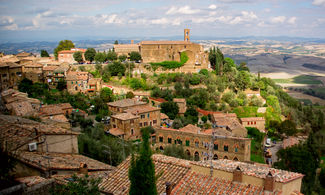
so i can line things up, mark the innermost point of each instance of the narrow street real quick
(274, 150)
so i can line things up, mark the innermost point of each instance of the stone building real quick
(33, 71)
(43, 150)
(82, 82)
(120, 106)
(181, 103)
(180, 176)
(159, 51)
(257, 122)
(196, 143)
(229, 122)
(127, 125)
(67, 55)
(48, 73)
(56, 112)
(10, 75)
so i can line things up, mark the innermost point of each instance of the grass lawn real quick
(257, 158)
(247, 111)
(256, 154)
(301, 79)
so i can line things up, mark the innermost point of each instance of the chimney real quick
(269, 182)
(238, 175)
(169, 188)
(83, 169)
(132, 41)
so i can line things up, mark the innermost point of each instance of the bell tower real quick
(186, 34)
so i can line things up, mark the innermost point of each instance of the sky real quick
(47, 20)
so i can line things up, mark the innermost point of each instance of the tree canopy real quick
(142, 170)
(44, 53)
(135, 56)
(170, 109)
(63, 45)
(78, 56)
(90, 54)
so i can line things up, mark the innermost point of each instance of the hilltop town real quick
(211, 125)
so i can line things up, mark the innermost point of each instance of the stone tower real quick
(186, 34)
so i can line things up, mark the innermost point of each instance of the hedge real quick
(172, 64)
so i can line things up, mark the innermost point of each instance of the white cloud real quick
(267, 10)
(292, 20)
(212, 6)
(319, 2)
(245, 17)
(8, 23)
(278, 19)
(182, 10)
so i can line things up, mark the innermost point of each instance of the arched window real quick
(215, 157)
(188, 153)
(226, 157)
(132, 132)
(197, 143)
(187, 142)
(196, 156)
(169, 140)
(161, 148)
(235, 159)
(225, 148)
(215, 146)
(161, 139)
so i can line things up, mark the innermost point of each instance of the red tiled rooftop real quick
(126, 103)
(207, 112)
(141, 109)
(161, 100)
(125, 116)
(116, 131)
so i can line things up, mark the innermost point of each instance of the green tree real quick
(170, 109)
(25, 85)
(116, 42)
(78, 186)
(129, 95)
(78, 57)
(229, 64)
(106, 94)
(62, 84)
(192, 115)
(90, 54)
(243, 67)
(122, 58)
(142, 170)
(135, 56)
(63, 45)
(44, 53)
(100, 57)
(116, 67)
(228, 96)
(213, 57)
(243, 80)
(288, 127)
(176, 151)
(111, 56)
(219, 61)
(273, 101)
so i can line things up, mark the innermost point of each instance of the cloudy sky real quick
(33, 20)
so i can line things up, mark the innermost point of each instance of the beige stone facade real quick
(33, 71)
(10, 75)
(196, 143)
(127, 125)
(229, 122)
(257, 122)
(83, 82)
(120, 106)
(67, 55)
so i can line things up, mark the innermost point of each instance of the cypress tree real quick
(142, 170)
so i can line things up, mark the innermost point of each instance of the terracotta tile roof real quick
(161, 100)
(23, 54)
(61, 161)
(60, 118)
(21, 108)
(290, 141)
(126, 103)
(31, 180)
(141, 109)
(116, 131)
(49, 68)
(125, 116)
(196, 183)
(32, 65)
(77, 76)
(163, 116)
(10, 65)
(51, 110)
(72, 50)
(218, 131)
(172, 170)
(206, 112)
(190, 129)
(12, 95)
(252, 119)
(255, 170)
(164, 42)
(228, 115)
(9, 58)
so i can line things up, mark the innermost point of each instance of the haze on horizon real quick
(49, 20)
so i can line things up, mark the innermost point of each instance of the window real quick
(154, 122)
(169, 140)
(236, 149)
(187, 142)
(132, 132)
(254, 122)
(179, 141)
(140, 124)
(197, 144)
(225, 148)
(247, 123)
(142, 116)
(132, 121)
(114, 126)
(145, 124)
(161, 139)
(215, 146)
(148, 115)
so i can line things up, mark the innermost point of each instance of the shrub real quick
(195, 79)
(172, 64)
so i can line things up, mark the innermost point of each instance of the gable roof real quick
(125, 116)
(126, 103)
(190, 128)
(141, 109)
